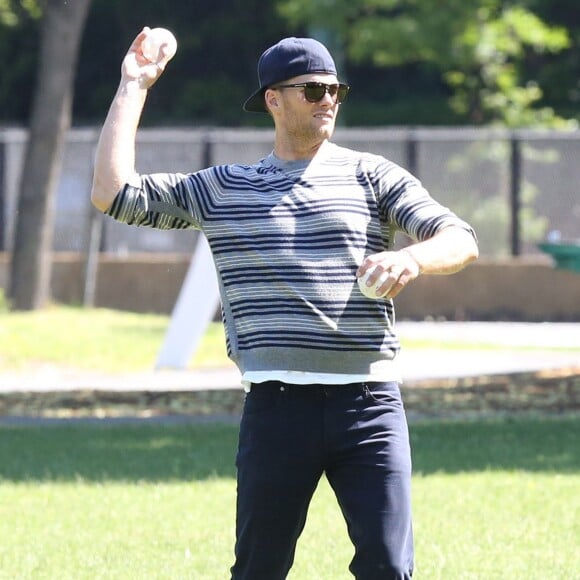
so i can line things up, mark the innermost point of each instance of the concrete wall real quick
(514, 289)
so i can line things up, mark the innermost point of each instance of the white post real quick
(193, 311)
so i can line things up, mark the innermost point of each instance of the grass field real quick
(115, 341)
(492, 499)
(93, 339)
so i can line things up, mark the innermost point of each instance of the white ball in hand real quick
(371, 291)
(155, 39)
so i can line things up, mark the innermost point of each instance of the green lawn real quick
(492, 499)
(115, 341)
(94, 339)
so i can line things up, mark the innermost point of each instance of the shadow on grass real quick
(118, 452)
(157, 453)
(524, 444)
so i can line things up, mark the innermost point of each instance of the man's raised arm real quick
(115, 155)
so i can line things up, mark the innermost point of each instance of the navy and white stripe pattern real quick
(287, 239)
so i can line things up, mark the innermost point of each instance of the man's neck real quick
(294, 152)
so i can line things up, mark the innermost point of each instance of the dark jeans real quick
(289, 436)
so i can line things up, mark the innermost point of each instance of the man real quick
(289, 236)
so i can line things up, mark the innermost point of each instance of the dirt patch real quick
(546, 392)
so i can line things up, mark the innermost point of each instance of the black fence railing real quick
(517, 188)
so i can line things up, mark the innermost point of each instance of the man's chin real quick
(326, 130)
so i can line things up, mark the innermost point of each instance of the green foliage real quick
(19, 47)
(212, 73)
(486, 76)
(409, 62)
(479, 46)
(4, 304)
(7, 16)
(12, 12)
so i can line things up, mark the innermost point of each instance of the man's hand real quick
(396, 269)
(447, 252)
(136, 67)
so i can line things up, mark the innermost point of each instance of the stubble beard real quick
(309, 134)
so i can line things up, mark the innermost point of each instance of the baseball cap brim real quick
(255, 103)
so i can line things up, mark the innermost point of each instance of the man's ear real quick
(271, 99)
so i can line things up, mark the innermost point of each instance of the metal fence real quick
(515, 187)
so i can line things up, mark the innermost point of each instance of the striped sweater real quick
(287, 238)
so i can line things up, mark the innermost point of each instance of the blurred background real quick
(479, 100)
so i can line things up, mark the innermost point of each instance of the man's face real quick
(298, 118)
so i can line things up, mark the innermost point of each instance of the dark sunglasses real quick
(314, 91)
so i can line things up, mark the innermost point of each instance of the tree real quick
(489, 86)
(479, 46)
(61, 31)
(417, 43)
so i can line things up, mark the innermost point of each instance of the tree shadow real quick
(196, 451)
(113, 451)
(533, 444)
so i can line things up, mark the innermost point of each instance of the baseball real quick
(155, 39)
(371, 291)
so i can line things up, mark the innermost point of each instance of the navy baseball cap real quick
(289, 58)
